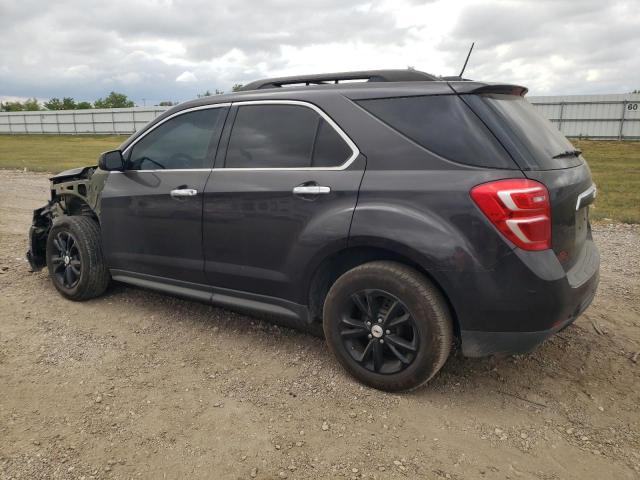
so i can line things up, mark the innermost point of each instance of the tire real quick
(74, 244)
(401, 306)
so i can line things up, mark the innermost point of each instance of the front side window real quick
(180, 143)
(283, 136)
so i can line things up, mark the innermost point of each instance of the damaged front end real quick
(40, 226)
(73, 192)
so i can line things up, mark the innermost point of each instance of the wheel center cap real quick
(66, 259)
(377, 331)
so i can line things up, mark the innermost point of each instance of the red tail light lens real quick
(519, 208)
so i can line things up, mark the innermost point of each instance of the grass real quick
(54, 153)
(615, 165)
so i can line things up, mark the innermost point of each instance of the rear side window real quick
(179, 143)
(443, 124)
(283, 136)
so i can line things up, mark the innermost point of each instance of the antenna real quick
(465, 62)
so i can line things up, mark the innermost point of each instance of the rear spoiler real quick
(480, 88)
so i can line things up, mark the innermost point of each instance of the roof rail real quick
(335, 78)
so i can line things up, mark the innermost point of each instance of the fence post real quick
(9, 120)
(24, 121)
(113, 123)
(93, 122)
(624, 108)
(561, 116)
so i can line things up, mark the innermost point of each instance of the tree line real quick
(113, 100)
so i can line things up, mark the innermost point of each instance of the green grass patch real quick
(54, 153)
(615, 165)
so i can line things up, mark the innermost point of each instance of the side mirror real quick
(112, 160)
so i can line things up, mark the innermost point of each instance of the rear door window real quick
(330, 149)
(283, 136)
(442, 124)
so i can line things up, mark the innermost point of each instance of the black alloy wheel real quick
(67, 265)
(388, 325)
(379, 332)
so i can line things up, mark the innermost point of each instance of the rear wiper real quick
(568, 153)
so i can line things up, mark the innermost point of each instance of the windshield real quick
(546, 146)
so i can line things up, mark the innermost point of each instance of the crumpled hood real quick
(80, 172)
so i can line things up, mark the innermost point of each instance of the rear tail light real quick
(519, 208)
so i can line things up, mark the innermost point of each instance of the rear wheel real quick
(74, 258)
(388, 325)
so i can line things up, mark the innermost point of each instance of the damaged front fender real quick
(73, 192)
(40, 226)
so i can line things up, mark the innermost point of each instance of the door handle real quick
(183, 192)
(311, 190)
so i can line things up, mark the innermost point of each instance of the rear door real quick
(283, 190)
(151, 213)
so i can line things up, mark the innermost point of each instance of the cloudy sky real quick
(155, 50)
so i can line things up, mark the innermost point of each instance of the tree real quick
(67, 103)
(166, 103)
(83, 105)
(237, 87)
(205, 94)
(31, 104)
(11, 107)
(114, 100)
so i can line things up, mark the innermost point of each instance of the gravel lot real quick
(140, 385)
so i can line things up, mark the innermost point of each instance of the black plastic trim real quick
(297, 315)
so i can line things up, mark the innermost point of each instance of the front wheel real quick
(388, 325)
(74, 258)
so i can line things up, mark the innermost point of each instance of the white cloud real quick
(173, 50)
(186, 77)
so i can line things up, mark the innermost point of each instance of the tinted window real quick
(444, 125)
(539, 139)
(272, 136)
(330, 149)
(179, 143)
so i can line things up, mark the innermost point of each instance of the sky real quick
(155, 50)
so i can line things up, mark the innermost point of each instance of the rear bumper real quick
(476, 343)
(524, 300)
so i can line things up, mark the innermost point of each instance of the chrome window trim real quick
(181, 112)
(354, 149)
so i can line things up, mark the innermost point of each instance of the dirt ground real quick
(140, 385)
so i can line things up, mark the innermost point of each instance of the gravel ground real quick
(139, 385)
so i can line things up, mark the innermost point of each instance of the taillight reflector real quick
(519, 208)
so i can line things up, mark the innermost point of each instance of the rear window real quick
(536, 140)
(443, 124)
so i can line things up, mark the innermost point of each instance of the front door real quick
(285, 191)
(151, 213)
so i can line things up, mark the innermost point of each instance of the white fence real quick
(98, 121)
(604, 117)
(612, 117)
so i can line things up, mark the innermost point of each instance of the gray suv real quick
(394, 211)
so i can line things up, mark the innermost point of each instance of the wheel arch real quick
(357, 253)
